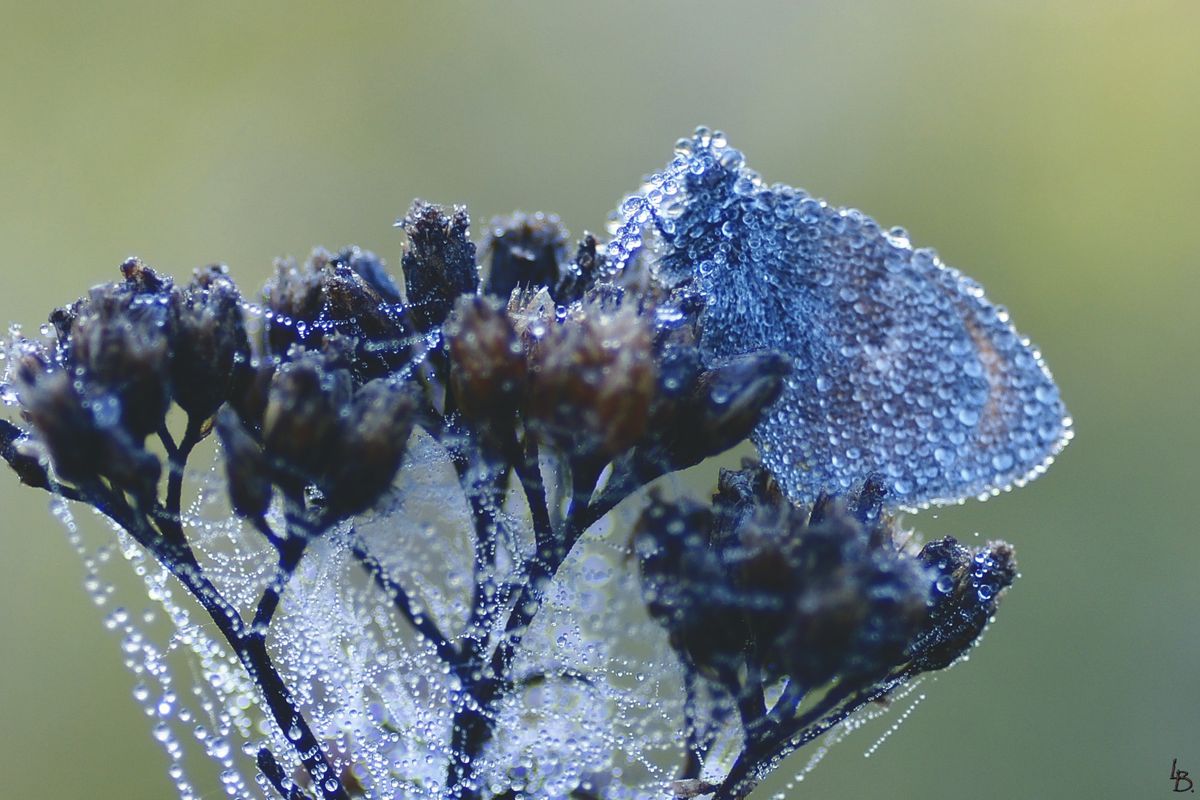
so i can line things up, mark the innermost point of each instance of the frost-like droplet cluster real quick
(901, 366)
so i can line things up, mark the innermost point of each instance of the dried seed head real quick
(348, 294)
(371, 269)
(701, 413)
(819, 595)
(212, 349)
(525, 252)
(380, 330)
(246, 468)
(319, 430)
(592, 380)
(119, 348)
(854, 605)
(966, 588)
(293, 298)
(63, 425)
(686, 588)
(487, 362)
(301, 422)
(82, 434)
(370, 447)
(439, 263)
(730, 397)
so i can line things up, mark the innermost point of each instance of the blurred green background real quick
(1053, 153)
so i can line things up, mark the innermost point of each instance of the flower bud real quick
(211, 346)
(966, 588)
(525, 251)
(27, 466)
(83, 435)
(245, 466)
(686, 587)
(369, 450)
(301, 421)
(578, 275)
(119, 348)
(592, 381)
(487, 363)
(439, 263)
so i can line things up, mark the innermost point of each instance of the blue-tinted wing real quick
(901, 365)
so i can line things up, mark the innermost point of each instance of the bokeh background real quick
(1049, 150)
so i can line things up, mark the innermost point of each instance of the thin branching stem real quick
(274, 774)
(301, 529)
(542, 569)
(763, 751)
(177, 457)
(176, 556)
(421, 622)
(290, 550)
(526, 463)
(696, 750)
(472, 723)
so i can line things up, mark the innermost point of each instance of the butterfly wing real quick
(901, 365)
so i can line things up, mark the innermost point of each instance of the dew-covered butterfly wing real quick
(901, 366)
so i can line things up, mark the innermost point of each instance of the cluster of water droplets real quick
(901, 366)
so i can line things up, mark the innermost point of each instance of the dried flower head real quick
(591, 381)
(416, 594)
(439, 264)
(525, 251)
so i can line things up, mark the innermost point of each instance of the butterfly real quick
(901, 367)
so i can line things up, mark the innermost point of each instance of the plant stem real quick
(785, 738)
(422, 623)
(171, 550)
